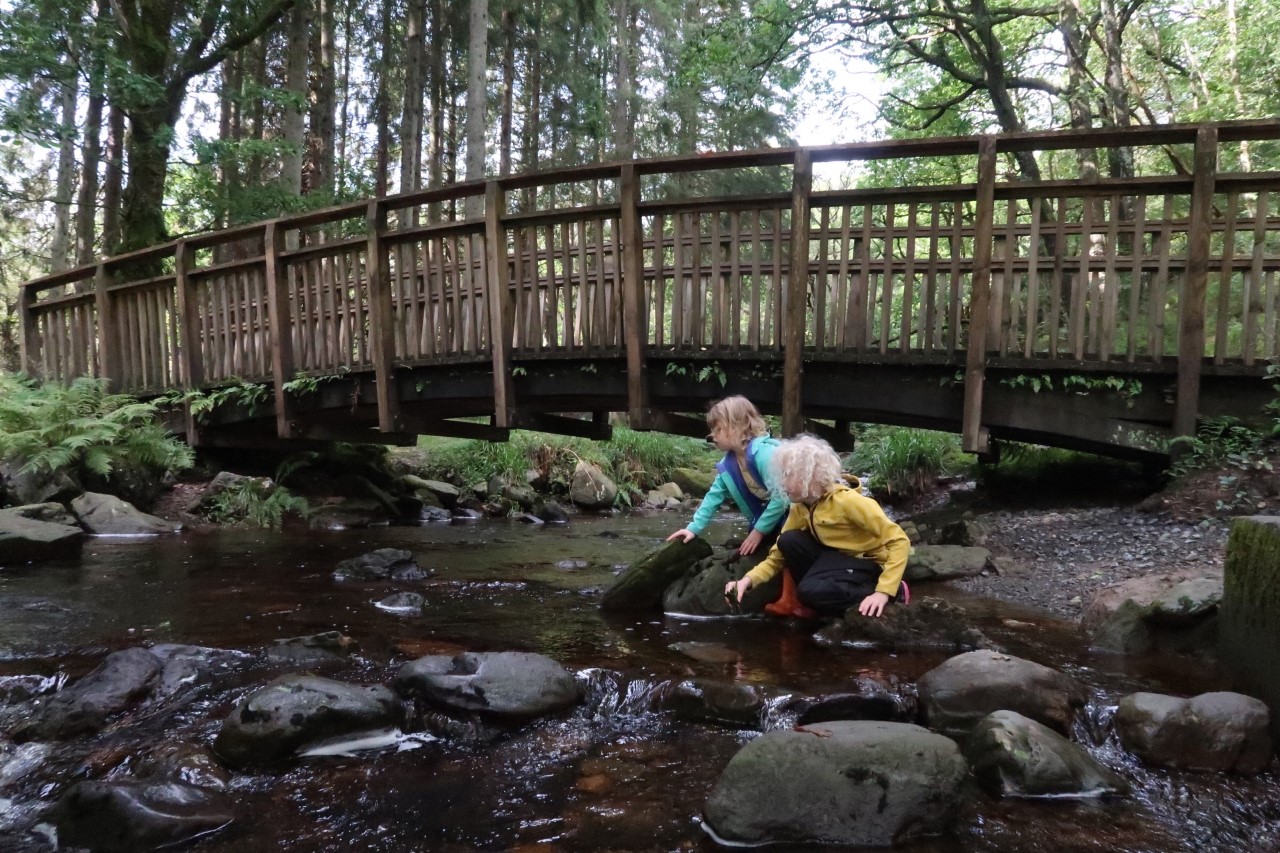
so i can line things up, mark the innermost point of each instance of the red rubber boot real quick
(788, 603)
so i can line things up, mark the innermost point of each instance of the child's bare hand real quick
(684, 534)
(751, 543)
(873, 604)
(737, 589)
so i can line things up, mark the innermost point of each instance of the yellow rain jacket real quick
(850, 522)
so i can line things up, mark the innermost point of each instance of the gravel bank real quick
(1057, 559)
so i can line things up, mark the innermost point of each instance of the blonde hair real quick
(804, 467)
(739, 416)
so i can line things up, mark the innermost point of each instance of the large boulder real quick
(945, 562)
(1014, 756)
(962, 690)
(705, 700)
(692, 481)
(445, 494)
(859, 783)
(700, 590)
(1185, 604)
(25, 540)
(23, 485)
(108, 515)
(188, 763)
(642, 585)
(1212, 731)
(125, 817)
(273, 722)
(1172, 611)
(383, 564)
(590, 488)
(123, 679)
(513, 686)
(927, 623)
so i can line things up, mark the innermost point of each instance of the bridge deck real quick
(1147, 276)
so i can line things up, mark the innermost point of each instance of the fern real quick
(258, 502)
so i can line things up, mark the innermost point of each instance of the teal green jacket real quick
(723, 486)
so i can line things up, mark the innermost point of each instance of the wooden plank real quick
(1225, 277)
(797, 281)
(1161, 283)
(282, 367)
(844, 312)
(1251, 297)
(887, 279)
(585, 309)
(497, 296)
(30, 351)
(772, 321)
(567, 277)
(930, 332)
(1007, 303)
(1137, 249)
(679, 308)
(633, 301)
(1060, 278)
(820, 284)
(1076, 321)
(1269, 319)
(659, 298)
(110, 342)
(383, 351)
(908, 281)
(862, 288)
(973, 435)
(1110, 283)
(721, 337)
(1032, 312)
(760, 301)
(1195, 286)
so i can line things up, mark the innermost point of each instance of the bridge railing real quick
(1075, 273)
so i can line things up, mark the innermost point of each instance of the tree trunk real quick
(477, 96)
(113, 180)
(293, 129)
(318, 169)
(436, 69)
(91, 154)
(508, 88)
(339, 176)
(411, 118)
(382, 110)
(624, 84)
(533, 110)
(60, 244)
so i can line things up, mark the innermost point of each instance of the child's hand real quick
(684, 534)
(737, 589)
(873, 604)
(751, 543)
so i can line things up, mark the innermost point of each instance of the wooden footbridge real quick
(1108, 314)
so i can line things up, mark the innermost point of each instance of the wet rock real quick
(54, 513)
(503, 488)
(434, 514)
(121, 680)
(700, 590)
(1013, 756)
(18, 760)
(125, 817)
(590, 488)
(25, 485)
(402, 602)
(312, 650)
(382, 564)
(963, 532)
(572, 565)
(445, 494)
(187, 763)
(926, 623)
(468, 729)
(273, 722)
(660, 500)
(552, 513)
(693, 482)
(892, 782)
(20, 688)
(1212, 731)
(108, 515)
(24, 540)
(945, 562)
(467, 514)
(708, 701)
(1124, 617)
(869, 699)
(964, 689)
(504, 685)
(186, 667)
(707, 652)
(349, 514)
(641, 587)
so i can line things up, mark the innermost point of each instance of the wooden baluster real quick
(634, 317)
(281, 329)
(1191, 332)
(190, 362)
(1251, 298)
(383, 343)
(497, 295)
(30, 345)
(109, 340)
(974, 436)
(797, 285)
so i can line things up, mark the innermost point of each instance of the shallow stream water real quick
(608, 776)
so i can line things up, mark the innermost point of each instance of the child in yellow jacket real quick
(838, 544)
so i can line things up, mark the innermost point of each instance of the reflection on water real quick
(611, 775)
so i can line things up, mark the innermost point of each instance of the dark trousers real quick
(827, 580)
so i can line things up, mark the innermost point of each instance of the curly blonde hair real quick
(738, 416)
(804, 467)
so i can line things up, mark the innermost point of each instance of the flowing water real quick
(611, 775)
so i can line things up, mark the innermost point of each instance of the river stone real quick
(1115, 620)
(945, 562)
(641, 587)
(1212, 731)
(962, 690)
(1013, 756)
(125, 817)
(926, 623)
(710, 701)
(1186, 603)
(187, 667)
(707, 652)
(869, 699)
(24, 540)
(54, 513)
(700, 590)
(504, 685)
(962, 532)
(36, 485)
(108, 515)
(123, 678)
(382, 564)
(402, 602)
(187, 763)
(327, 647)
(693, 482)
(590, 488)
(273, 722)
(551, 512)
(519, 494)
(857, 783)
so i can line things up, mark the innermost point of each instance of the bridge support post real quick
(498, 296)
(797, 290)
(384, 347)
(281, 329)
(29, 346)
(190, 362)
(1186, 409)
(634, 318)
(108, 334)
(973, 436)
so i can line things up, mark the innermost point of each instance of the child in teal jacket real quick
(744, 474)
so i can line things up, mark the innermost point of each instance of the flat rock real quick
(926, 623)
(945, 562)
(125, 817)
(382, 564)
(641, 587)
(962, 690)
(1213, 731)
(25, 540)
(1186, 603)
(512, 686)
(107, 515)
(1014, 756)
(710, 701)
(120, 681)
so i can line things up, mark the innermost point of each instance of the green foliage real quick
(250, 395)
(1223, 442)
(903, 462)
(82, 428)
(701, 372)
(256, 501)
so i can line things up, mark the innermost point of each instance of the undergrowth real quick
(902, 463)
(255, 501)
